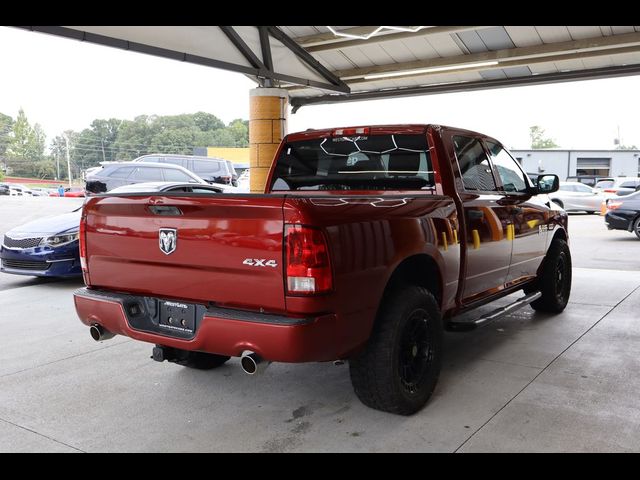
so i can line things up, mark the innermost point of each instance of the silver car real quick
(576, 196)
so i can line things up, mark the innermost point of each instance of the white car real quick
(577, 197)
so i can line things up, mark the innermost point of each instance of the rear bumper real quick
(223, 331)
(616, 222)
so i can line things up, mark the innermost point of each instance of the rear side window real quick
(377, 162)
(122, 172)
(171, 175)
(631, 184)
(205, 166)
(147, 174)
(181, 162)
(567, 188)
(474, 164)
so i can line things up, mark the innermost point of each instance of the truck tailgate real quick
(227, 250)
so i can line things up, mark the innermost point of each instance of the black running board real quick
(463, 326)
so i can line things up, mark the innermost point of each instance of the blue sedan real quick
(47, 247)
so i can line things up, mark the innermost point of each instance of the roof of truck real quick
(398, 129)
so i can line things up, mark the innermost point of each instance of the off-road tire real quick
(399, 367)
(555, 279)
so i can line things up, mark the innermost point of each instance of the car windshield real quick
(380, 162)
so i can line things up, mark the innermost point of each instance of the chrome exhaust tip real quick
(99, 333)
(252, 363)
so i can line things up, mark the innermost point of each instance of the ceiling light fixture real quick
(429, 70)
(338, 33)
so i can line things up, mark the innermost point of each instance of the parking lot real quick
(528, 382)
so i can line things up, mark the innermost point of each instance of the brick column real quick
(267, 126)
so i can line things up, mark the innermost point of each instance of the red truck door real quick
(529, 215)
(487, 220)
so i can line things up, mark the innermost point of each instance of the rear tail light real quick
(610, 190)
(307, 261)
(82, 234)
(613, 205)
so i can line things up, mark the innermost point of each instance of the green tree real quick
(538, 139)
(26, 146)
(239, 129)
(58, 157)
(207, 122)
(6, 127)
(223, 138)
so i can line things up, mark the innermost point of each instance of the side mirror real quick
(548, 183)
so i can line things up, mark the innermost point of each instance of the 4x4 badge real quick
(168, 238)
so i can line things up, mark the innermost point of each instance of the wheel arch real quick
(421, 270)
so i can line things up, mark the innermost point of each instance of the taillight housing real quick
(82, 237)
(613, 205)
(344, 132)
(308, 265)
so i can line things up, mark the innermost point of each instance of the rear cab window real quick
(367, 162)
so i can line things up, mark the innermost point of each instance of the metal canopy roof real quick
(320, 64)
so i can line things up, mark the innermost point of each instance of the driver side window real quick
(513, 180)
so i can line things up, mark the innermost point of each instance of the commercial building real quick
(568, 163)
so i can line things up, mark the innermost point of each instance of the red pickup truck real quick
(367, 244)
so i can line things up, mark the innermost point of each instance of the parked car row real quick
(163, 167)
(212, 170)
(16, 189)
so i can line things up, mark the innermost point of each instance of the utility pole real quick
(102, 142)
(66, 140)
(58, 165)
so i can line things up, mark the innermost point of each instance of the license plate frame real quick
(177, 317)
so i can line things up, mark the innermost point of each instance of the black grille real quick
(25, 265)
(22, 242)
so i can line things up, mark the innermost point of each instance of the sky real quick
(65, 84)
